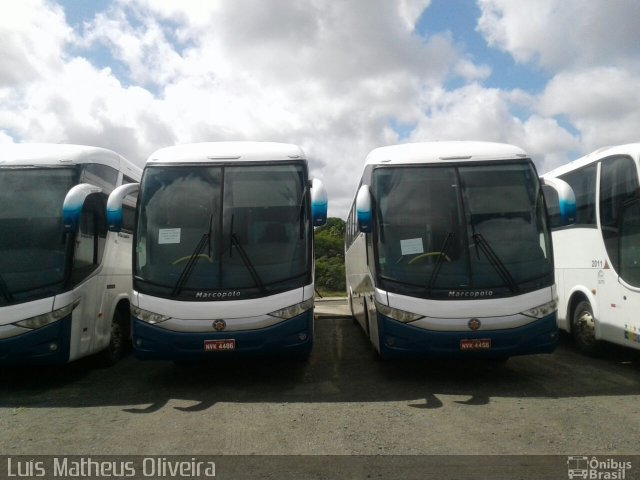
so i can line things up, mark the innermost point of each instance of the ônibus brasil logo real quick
(593, 468)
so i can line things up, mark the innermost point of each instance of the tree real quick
(329, 253)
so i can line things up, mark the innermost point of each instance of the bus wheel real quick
(115, 350)
(583, 329)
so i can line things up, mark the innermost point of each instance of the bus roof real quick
(43, 154)
(226, 152)
(630, 149)
(436, 152)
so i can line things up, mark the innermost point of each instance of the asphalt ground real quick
(341, 401)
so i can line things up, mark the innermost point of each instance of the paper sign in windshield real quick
(411, 246)
(169, 235)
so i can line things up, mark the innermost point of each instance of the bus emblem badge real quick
(219, 325)
(474, 324)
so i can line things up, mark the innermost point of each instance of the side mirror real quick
(561, 201)
(73, 203)
(363, 209)
(114, 205)
(318, 203)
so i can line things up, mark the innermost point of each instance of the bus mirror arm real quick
(114, 205)
(73, 203)
(566, 201)
(363, 209)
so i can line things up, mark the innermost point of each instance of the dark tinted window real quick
(100, 175)
(32, 240)
(618, 183)
(91, 237)
(630, 243)
(583, 183)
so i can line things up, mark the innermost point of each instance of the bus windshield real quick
(471, 231)
(32, 242)
(223, 232)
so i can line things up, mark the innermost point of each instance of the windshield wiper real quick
(235, 242)
(443, 254)
(495, 261)
(188, 268)
(5, 290)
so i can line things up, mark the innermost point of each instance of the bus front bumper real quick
(48, 345)
(292, 337)
(399, 340)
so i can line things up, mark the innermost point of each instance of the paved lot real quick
(342, 401)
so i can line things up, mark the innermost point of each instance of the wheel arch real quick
(123, 307)
(577, 295)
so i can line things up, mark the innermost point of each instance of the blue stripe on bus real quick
(114, 218)
(402, 340)
(151, 342)
(33, 347)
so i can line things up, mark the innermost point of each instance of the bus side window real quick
(630, 243)
(617, 184)
(101, 175)
(90, 239)
(583, 183)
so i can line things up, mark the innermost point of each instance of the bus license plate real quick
(475, 344)
(219, 345)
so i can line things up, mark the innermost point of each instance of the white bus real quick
(64, 280)
(598, 257)
(448, 253)
(223, 257)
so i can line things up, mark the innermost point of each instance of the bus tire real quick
(117, 341)
(583, 329)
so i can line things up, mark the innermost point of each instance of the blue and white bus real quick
(448, 252)
(598, 257)
(64, 279)
(223, 257)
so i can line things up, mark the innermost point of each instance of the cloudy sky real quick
(558, 78)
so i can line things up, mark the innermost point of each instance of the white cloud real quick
(144, 48)
(477, 113)
(563, 33)
(33, 34)
(5, 139)
(468, 113)
(602, 103)
(411, 10)
(87, 106)
(470, 71)
(334, 77)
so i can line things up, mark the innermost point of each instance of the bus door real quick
(629, 279)
(88, 285)
(618, 209)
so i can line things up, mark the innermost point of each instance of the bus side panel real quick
(84, 317)
(626, 331)
(577, 267)
(618, 320)
(359, 282)
(116, 285)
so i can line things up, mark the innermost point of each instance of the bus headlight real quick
(396, 314)
(293, 310)
(147, 316)
(40, 321)
(542, 310)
